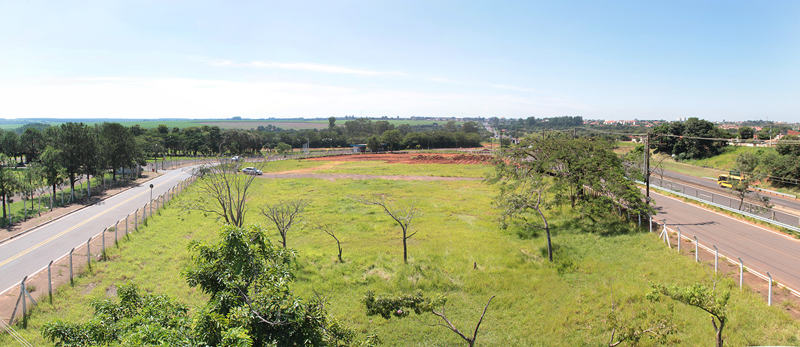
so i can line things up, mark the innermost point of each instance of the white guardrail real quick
(767, 220)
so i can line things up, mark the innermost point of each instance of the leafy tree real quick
(373, 144)
(8, 182)
(381, 127)
(284, 214)
(746, 132)
(247, 279)
(118, 147)
(283, 148)
(31, 144)
(392, 137)
(699, 296)
(746, 164)
(138, 319)
(450, 127)
(789, 145)
(79, 148)
(10, 144)
(541, 174)
(470, 127)
(331, 122)
(402, 213)
(52, 171)
(764, 135)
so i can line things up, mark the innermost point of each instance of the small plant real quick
(30, 288)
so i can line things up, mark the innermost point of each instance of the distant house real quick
(792, 132)
(359, 148)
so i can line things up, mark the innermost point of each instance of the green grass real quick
(537, 303)
(727, 159)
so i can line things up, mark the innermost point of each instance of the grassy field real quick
(459, 252)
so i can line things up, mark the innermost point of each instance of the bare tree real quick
(328, 229)
(224, 190)
(402, 213)
(470, 340)
(284, 214)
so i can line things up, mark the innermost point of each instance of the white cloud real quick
(312, 67)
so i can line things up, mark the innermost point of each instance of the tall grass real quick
(459, 252)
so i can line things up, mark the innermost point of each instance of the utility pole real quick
(647, 165)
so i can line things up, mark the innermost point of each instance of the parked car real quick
(235, 158)
(252, 171)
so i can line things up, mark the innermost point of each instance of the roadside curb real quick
(67, 214)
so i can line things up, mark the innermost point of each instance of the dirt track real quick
(333, 177)
(414, 158)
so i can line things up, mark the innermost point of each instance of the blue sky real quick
(718, 60)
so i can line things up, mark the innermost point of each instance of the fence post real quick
(103, 249)
(24, 308)
(116, 225)
(70, 266)
(640, 220)
(135, 219)
(679, 239)
(651, 223)
(769, 297)
(50, 282)
(89, 253)
(716, 258)
(696, 248)
(741, 272)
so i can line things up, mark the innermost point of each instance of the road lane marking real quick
(40, 244)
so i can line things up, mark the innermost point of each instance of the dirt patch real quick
(415, 158)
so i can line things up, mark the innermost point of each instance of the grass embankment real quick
(537, 303)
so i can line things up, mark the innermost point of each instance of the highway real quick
(761, 249)
(712, 185)
(32, 251)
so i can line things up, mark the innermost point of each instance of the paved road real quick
(31, 252)
(761, 249)
(712, 185)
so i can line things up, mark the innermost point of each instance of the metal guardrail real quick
(774, 192)
(767, 220)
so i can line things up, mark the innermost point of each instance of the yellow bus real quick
(728, 180)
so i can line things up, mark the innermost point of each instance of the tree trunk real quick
(4, 206)
(405, 248)
(549, 244)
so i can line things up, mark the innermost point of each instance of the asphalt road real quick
(761, 249)
(711, 185)
(31, 252)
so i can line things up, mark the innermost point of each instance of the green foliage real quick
(400, 305)
(700, 296)
(689, 139)
(248, 280)
(465, 257)
(136, 320)
(541, 174)
(283, 148)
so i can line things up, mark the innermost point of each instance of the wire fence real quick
(757, 278)
(63, 270)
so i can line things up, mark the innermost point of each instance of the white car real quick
(252, 171)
